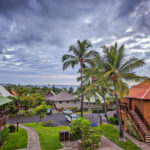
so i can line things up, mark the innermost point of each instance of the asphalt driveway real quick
(58, 118)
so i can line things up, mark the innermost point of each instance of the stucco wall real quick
(143, 106)
(72, 104)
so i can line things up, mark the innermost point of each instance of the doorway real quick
(130, 104)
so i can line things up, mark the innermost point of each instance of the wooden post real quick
(17, 126)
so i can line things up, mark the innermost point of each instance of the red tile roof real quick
(13, 92)
(140, 91)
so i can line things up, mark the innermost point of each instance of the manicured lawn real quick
(112, 134)
(48, 136)
(16, 140)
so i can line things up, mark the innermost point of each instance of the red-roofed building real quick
(13, 92)
(136, 107)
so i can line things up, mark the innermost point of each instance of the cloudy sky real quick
(34, 34)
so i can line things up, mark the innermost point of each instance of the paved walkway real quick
(142, 145)
(33, 139)
(105, 144)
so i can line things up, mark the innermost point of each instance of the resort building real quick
(48, 96)
(136, 107)
(64, 100)
(3, 110)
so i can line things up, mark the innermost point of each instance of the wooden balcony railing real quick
(123, 106)
(2, 121)
(142, 117)
(3, 112)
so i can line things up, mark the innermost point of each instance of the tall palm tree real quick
(119, 70)
(82, 56)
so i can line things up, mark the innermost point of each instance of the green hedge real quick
(3, 135)
(113, 120)
(95, 110)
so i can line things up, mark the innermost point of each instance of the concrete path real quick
(105, 144)
(142, 145)
(33, 139)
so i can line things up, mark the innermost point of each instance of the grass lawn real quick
(16, 140)
(48, 136)
(112, 134)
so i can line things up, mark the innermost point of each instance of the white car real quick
(71, 117)
(67, 111)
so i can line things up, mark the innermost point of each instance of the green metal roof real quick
(4, 100)
(92, 98)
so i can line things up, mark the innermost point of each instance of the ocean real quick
(62, 86)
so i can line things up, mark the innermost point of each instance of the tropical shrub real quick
(113, 120)
(73, 109)
(3, 135)
(41, 110)
(81, 129)
(49, 123)
(29, 112)
(131, 130)
(12, 128)
(78, 126)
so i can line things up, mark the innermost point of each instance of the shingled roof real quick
(140, 91)
(62, 96)
(49, 95)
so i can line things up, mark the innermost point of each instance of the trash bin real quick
(64, 135)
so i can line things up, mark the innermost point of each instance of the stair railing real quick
(142, 117)
(136, 123)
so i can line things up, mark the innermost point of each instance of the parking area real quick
(58, 118)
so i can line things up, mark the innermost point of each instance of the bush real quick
(81, 129)
(3, 135)
(113, 120)
(28, 113)
(12, 128)
(78, 126)
(73, 109)
(49, 123)
(131, 130)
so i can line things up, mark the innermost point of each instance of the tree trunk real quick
(121, 136)
(105, 108)
(100, 117)
(81, 64)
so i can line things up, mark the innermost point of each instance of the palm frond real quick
(132, 64)
(68, 57)
(75, 50)
(133, 77)
(91, 54)
(71, 63)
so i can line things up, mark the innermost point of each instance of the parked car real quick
(49, 111)
(67, 111)
(71, 117)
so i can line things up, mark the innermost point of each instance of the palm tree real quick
(98, 83)
(82, 56)
(119, 70)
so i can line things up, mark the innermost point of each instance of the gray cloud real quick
(35, 34)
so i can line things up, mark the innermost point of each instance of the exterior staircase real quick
(138, 120)
(139, 126)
